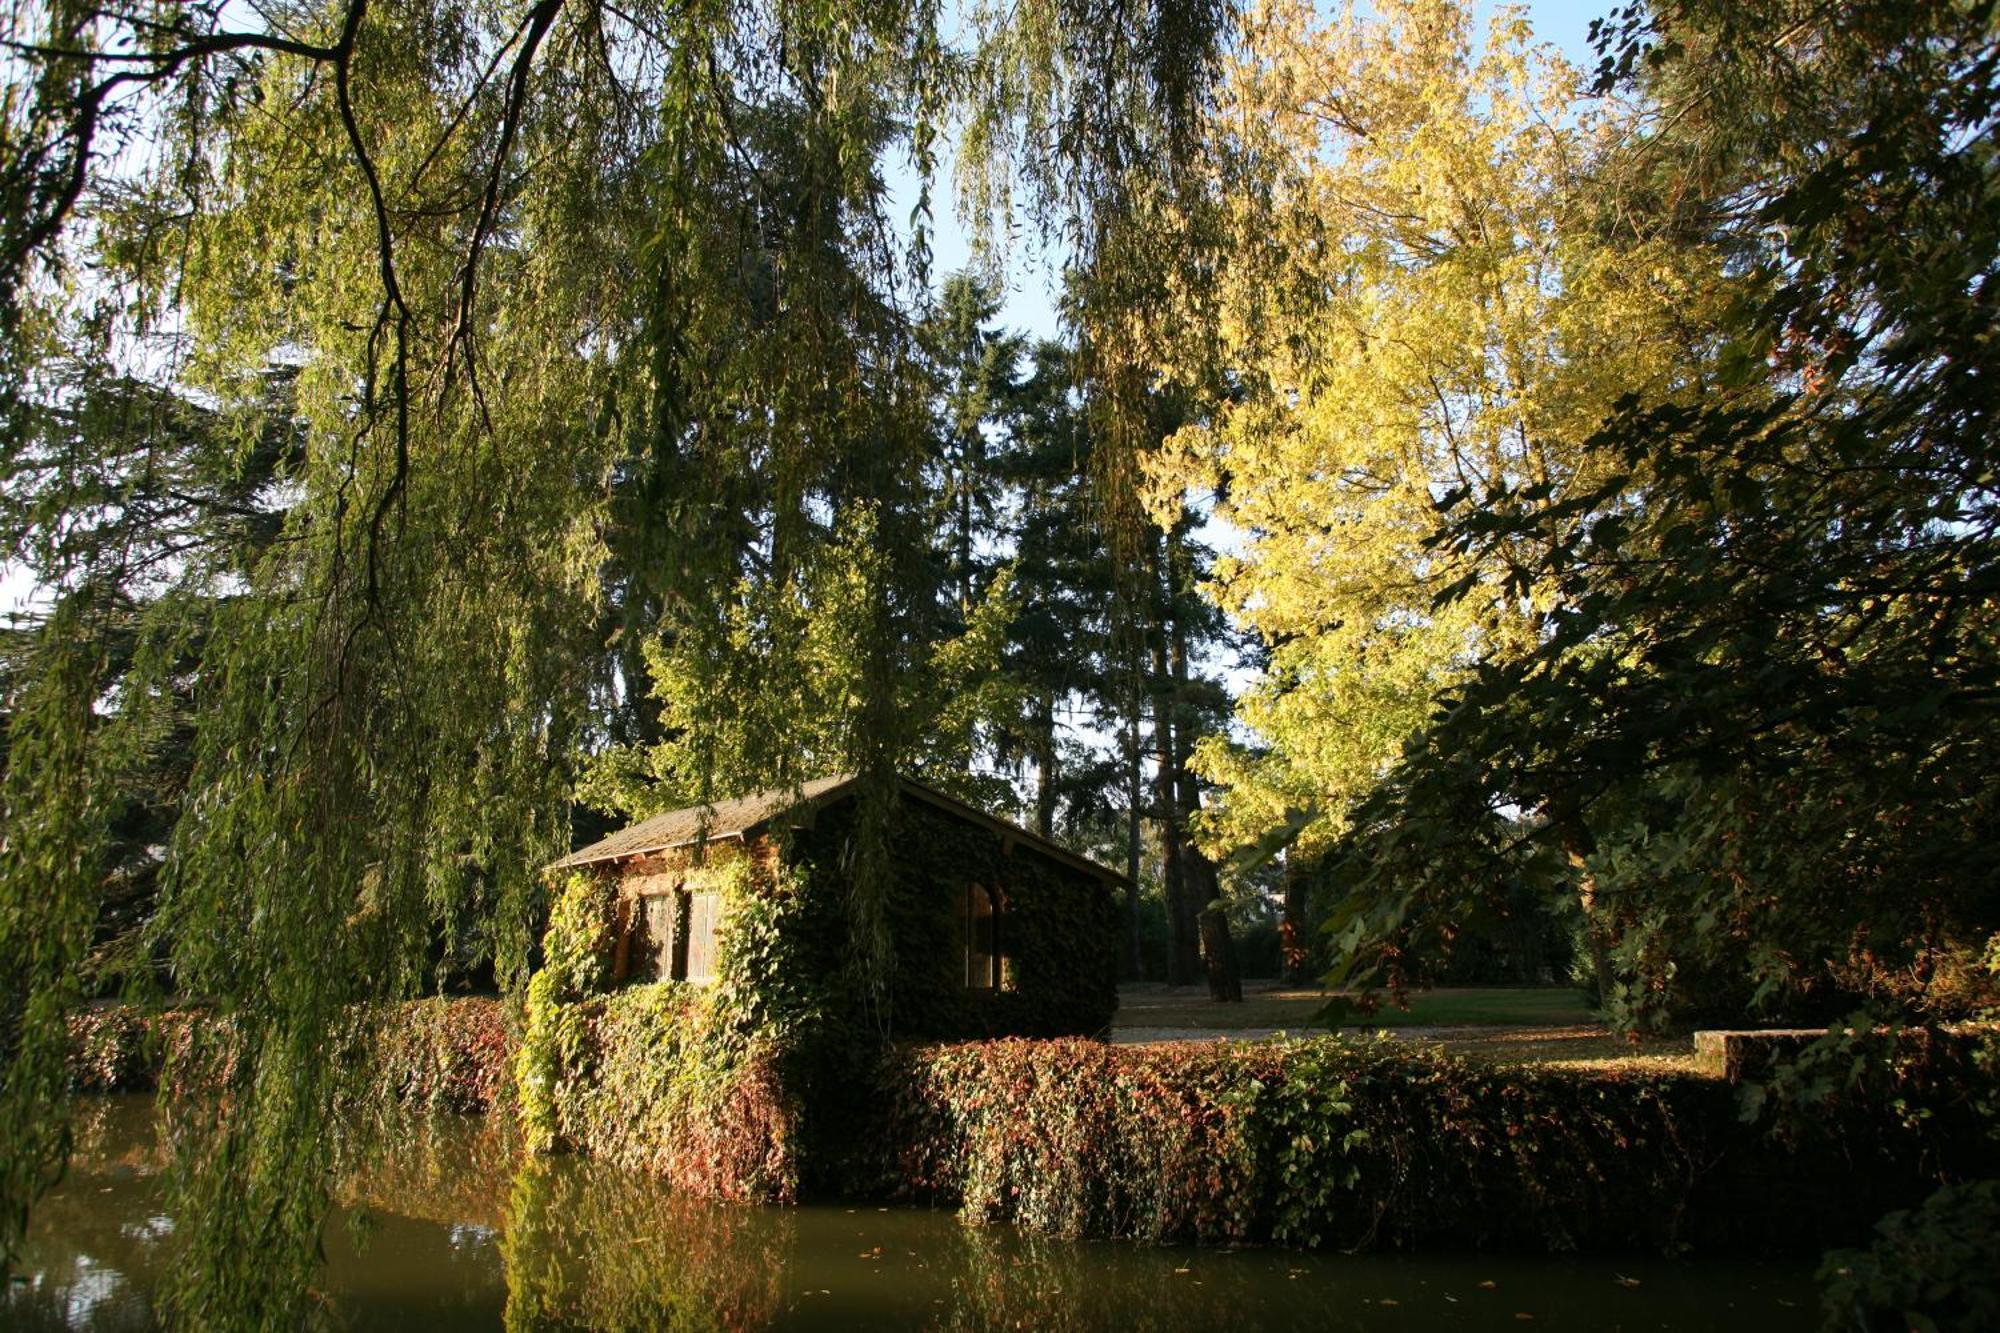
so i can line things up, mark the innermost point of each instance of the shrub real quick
(655, 1082)
(1323, 1142)
(439, 1054)
(1930, 1268)
(120, 1048)
(682, 1081)
(436, 1054)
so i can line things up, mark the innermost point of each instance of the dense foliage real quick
(1321, 1142)
(654, 1080)
(1614, 469)
(1416, 290)
(1754, 727)
(1929, 1268)
(425, 1055)
(594, 330)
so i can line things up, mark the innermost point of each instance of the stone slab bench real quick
(1736, 1054)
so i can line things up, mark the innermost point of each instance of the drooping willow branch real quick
(46, 179)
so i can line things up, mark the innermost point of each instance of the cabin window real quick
(678, 935)
(982, 938)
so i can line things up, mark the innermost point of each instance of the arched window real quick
(982, 938)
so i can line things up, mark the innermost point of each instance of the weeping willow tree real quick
(590, 316)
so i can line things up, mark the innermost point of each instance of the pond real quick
(453, 1230)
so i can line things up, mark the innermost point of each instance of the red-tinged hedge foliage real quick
(440, 1055)
(1321, 1142)
(118, 1048)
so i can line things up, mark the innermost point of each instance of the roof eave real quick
(577, 861)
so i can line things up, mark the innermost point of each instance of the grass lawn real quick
(1266, 1005)
(1506, 1024)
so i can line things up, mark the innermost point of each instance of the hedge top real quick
(746, 816)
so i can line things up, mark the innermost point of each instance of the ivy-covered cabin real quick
(991, 929)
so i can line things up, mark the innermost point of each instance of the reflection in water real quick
(453, 1229)
(586, 1250)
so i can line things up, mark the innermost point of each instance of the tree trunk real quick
(1295, 950)
(1217, 953)
(965, 535)
(1201, 887)
(1045, 765)
(1183, 914)
(1135, 798)
(1598, 933)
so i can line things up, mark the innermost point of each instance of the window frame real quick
(971, 920)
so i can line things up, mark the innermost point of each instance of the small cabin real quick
(990, 929)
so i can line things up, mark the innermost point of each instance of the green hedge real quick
(1322, 1142)
(437, 1054)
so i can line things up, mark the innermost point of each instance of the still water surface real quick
(457, 1232)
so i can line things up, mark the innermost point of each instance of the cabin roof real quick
(745, 816)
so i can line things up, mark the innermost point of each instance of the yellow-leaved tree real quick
(1416, 292)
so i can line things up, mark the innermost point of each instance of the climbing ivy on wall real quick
(1058, 930)
(683, 1081)
(744, 1087)
(576, 963)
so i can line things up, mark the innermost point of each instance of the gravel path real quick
(1578, 1045)
(1153, 1036)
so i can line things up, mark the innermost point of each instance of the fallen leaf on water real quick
(1488, 1285)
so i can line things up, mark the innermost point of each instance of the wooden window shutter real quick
(657, 918)
(704, 914)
